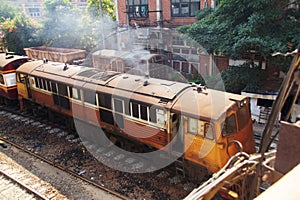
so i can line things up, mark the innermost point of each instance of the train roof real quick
(208, 103)
(6, 59)
(39, 67)
(179, 97)
(162, 89)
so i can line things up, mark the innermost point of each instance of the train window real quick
(62, 89)
(192, 126)
(54, 88)
(127, 107)
(152, 114)
(75, 93)
(135, 109)
(118, 104)
(44, 84)
(160, 116)
(144, 112)
(90, 97)
(243, 117)
(48, 85)
(208, 132)
(40, 83)
(37, 82)
(229, 126)
(104, 100)
(1, 79)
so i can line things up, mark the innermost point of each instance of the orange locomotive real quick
(205, 126)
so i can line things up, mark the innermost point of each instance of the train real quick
(204, 127)
(8, 65)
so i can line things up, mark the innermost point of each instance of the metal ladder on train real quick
(179, 167)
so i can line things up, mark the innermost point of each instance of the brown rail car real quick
(206, 126)
(8, 65)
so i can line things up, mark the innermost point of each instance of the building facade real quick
(34, 8)
(166, 13)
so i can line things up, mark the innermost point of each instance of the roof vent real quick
(146, 83)
(45, 60)
(9, 53)
(199, 88)
(9, 56)
(65, 67)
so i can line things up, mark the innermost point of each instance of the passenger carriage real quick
(205, 126)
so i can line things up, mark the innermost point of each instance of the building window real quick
(137, 8)
(34, 12)
(184, 8)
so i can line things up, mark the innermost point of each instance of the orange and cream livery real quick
(8, 65)
(202, 125)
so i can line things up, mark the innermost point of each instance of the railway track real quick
(258, 138)
(12, 188)
(18, 183)
(105, 155)
(28, 120)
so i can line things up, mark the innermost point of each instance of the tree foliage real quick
(236, 27)
(19, 33)
(66, 27)
(243, 77)
(7, 11)
(60, 25)
(235, 79)
(107, 5)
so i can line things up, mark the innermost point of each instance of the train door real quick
(118, 112)
(177, 133)
(23, 84)
(28, 88)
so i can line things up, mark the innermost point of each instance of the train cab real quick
(215, 126)
(8, 65)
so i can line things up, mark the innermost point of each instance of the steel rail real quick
(52, 163)
(64, 169)
(28, 188)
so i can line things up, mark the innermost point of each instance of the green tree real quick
(8, 11)
(237, 28)
(107, 5)
(61, 24)
(66, 27)
(19, 33)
